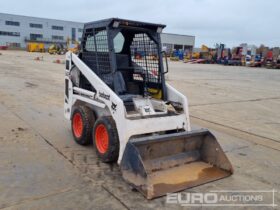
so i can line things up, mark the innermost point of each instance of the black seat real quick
(119, 83)
(120, 87)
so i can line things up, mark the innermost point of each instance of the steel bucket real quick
(156, 165)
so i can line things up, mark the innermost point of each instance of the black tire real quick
(88, 119)
(110, 154)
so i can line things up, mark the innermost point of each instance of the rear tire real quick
(106, 140)
(82, 122)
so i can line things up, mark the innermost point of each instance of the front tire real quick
(82, 122)
(106, 139)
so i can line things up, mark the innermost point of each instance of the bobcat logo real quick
(105, 96)
(114, 106)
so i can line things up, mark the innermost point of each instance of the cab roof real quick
(122, 22)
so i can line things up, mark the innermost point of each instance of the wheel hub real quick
(101, 138)
(78, 125)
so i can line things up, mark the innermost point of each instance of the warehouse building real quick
(172, 42)
(18, 30)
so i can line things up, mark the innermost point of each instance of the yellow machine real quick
(205, 52)
(57, 49)
(204, 48)
(35, 47)
(61, 50)
(195, 55)
(74, 49)
(173, 58)
(190, 56)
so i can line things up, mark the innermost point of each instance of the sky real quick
(231, 22)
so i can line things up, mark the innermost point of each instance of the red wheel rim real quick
(101, 138)
(78, 125)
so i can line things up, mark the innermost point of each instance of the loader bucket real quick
(156, 165)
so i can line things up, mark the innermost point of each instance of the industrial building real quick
(172, 42)
(18, 30)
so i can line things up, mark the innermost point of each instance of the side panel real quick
(175, 96)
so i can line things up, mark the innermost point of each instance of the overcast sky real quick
(211, 21)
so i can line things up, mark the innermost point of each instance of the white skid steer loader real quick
(116, 97)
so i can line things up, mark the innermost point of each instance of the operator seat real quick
(120, 88)
(123, 86)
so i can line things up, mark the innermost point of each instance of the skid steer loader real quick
(116, 97)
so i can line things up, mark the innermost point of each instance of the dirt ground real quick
(42, 168)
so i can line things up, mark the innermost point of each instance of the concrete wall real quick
(25, 30)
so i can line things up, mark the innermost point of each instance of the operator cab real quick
(126, 55)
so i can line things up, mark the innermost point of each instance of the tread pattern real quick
(113, 151)
(88, 122)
